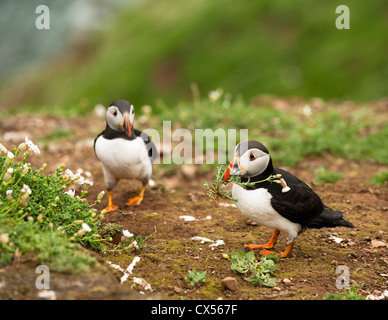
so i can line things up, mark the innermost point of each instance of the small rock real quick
(334, 262)
(276, 289)
(251, 223)
(177, 289)
(230, 283)
(377, 243)
(286, 281)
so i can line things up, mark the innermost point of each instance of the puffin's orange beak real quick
(127, 126)
(233, 165)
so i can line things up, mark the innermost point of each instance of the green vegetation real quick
(380, 179)
(195, 277)
(260, 271)
(156, 49)
(290, 135)
(39, 219)
(350, 294)
(326, 176)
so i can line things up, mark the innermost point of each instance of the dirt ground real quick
(308, 273)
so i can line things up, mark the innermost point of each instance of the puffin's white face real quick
(121, 122)
(114, 118)
(253, 162)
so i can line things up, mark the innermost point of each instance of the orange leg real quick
(283, 254)
(137, 200)
(111, 206)
(269, 245)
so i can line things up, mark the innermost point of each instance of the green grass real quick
(380, 179)
(350, 294)
(288, 135)
(156, 49)
(326, 176)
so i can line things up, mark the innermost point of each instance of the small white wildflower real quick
(89, 182)
(71, 193)
(307, 110)
(86, 227)
(215, 94)
(31, 146)
(9, 194)
(127, 234)
(134, 245)
(3, 149)
(71, 175)
(26, 190)
(10, 155)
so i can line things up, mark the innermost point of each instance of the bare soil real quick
(308, 273)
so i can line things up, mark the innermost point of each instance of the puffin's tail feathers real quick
(329, 218)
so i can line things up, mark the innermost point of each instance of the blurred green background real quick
(142, 50)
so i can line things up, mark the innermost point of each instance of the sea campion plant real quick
(41, 216)
(216, 191)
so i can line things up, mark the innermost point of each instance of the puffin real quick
(124, 152)
(288, 206)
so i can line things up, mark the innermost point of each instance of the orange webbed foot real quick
(135, 201)
(111, 208)
(253, 246)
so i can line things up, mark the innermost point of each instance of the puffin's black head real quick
(120, 116)
(251, 159)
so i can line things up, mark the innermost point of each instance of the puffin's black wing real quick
(300, 204)
(151, 148)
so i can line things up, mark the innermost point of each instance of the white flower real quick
(10, 155)
(31, 146)
(25, 192)
(127, 234)
(9, 194)
(134, 245)
(3, 149)
(71, 193)
(86, 227)
(215, 95)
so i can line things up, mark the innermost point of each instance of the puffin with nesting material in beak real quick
(125, 153)
(290, 207)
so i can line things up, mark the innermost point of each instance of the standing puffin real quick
(292, 207)
(125, 153)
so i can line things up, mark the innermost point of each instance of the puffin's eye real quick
(115, 113)
(252, 157)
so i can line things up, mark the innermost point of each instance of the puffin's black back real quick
(299, 205)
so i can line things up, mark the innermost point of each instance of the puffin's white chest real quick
(256, 205)
(124, 159)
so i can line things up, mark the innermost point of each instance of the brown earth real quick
(308, 273)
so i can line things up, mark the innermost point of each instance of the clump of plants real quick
(256, 271)
(380, 179)
(128, 242)
(41, 217)
(326, 176)
(350, 294)
(195, 277)
(216, 191)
